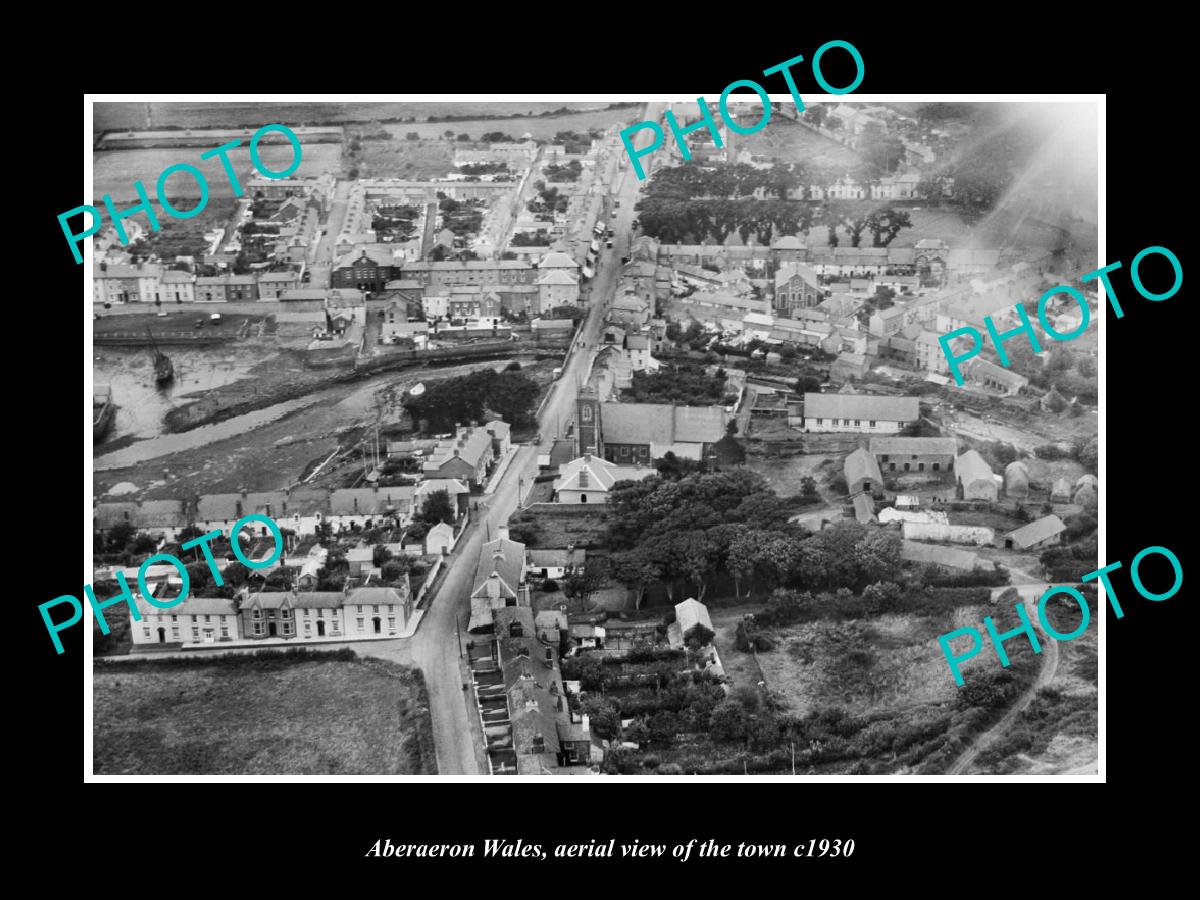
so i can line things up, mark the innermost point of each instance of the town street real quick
(435, 647)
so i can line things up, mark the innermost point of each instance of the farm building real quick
(862, 472)
(946, 557)
(1044, 532)
(858, 412)
(1060, 491)
(915, 454)
(975, 477)
(1016, 480)
(864, 509)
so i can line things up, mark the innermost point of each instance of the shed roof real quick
(861, 406)
(1037, 531)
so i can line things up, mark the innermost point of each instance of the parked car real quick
(199, 323)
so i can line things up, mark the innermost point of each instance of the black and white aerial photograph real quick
(476, 454)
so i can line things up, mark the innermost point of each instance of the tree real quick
(120, 535)
(882, 596)
(886, 223)
(395, 569)
(464, 138)
(412, 136)
(883, 151)
(808, 384)
(438, 507)
(1060, 360)
(741, 557)
(582, 584)
(603, 718)
(729, 721)
(1089, 454)
(637, 570)
(1086, 367)
(698, 636)
(848, 554)
(729, 451)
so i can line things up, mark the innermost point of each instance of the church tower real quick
(587, 423)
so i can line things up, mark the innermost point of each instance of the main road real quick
(436, 646)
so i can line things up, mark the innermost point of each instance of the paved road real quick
(322, 261)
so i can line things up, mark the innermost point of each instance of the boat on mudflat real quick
(164, 369)
(103, 411)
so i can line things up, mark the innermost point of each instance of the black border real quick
(915, 50)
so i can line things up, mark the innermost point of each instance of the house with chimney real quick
(589, 479)
(465, 456)
(359, 506)
(499, 581)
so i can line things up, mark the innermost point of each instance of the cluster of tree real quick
(936, 113)
(539, 238)
(548, 200)
(566, 311)
(692, 529)
(124, 538)
(675, 221)
(689, 385)
(695, 180)
(483, 168)
(679, 220)
(497, 137)
(1069, 562)
(569, 171)
(984, 170)
(575, 141)
(882, 151)
(461, 216)
(399, 227)
(510, 395)
(255, 228)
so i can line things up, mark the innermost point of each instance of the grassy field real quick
(400, 158)
(127, 116)
(541, 127)
(551, 531)
(114, 171)
(790, 142)
(784, 473)
(875, 694)
(261, 714)
(1057, 732)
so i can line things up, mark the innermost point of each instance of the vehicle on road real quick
(558, 373)
(199, 323)
(608, 244)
